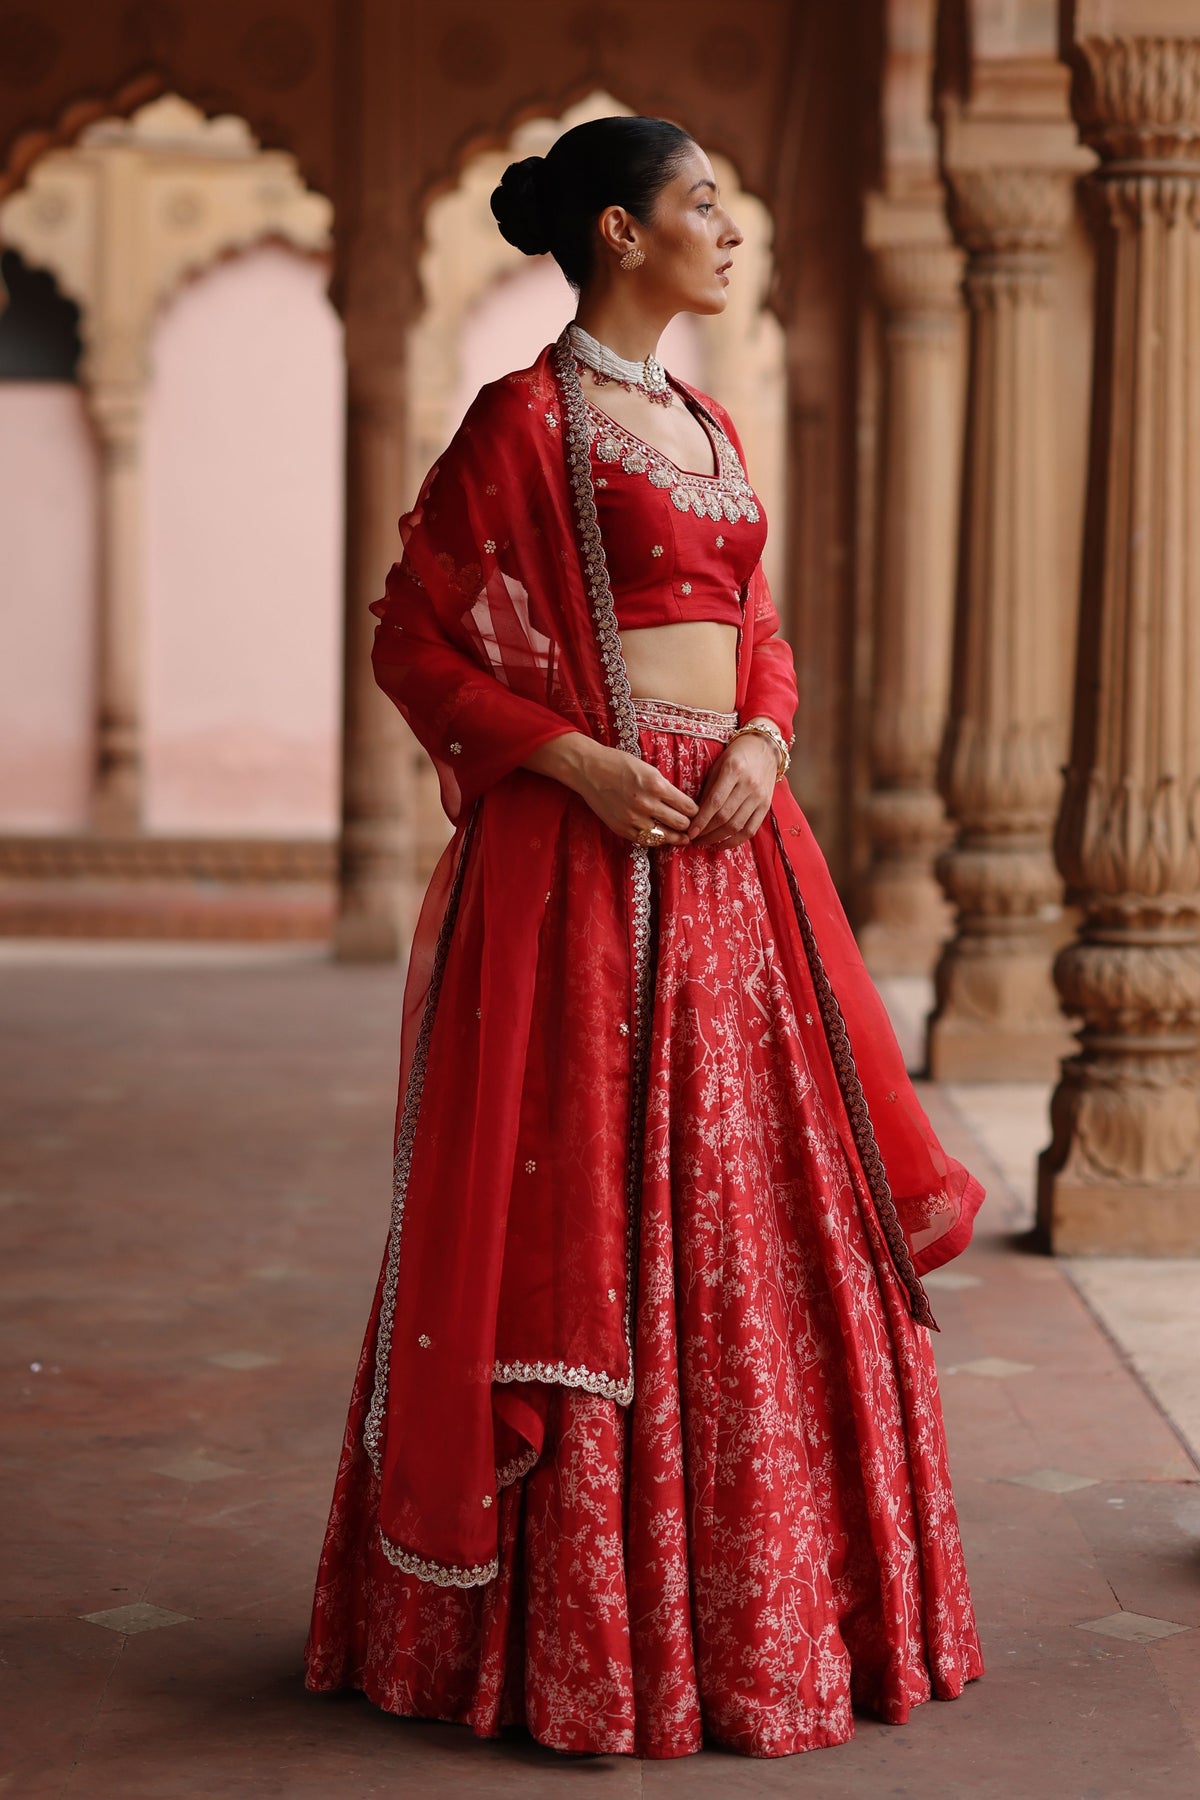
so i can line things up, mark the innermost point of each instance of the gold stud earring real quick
(633, 259)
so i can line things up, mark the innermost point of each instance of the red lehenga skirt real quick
(766, 1538)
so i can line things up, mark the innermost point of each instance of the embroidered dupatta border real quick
(858, 1112)
(578, 439)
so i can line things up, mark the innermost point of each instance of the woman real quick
(645, 1447)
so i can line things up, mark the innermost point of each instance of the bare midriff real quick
(692, 663)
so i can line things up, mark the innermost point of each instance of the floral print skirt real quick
(766, 1538)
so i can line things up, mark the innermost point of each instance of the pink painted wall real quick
(47, 605)
(244, 455)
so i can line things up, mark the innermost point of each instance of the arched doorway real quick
(188, 647)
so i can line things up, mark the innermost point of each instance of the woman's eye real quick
(705, 206)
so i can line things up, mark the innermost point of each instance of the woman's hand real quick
(628, 794)
(737, 793)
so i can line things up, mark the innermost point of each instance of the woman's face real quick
(689, 241)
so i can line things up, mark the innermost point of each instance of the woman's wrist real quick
(767, 732)
(564, 758)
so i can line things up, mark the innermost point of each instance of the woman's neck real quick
(621, 324)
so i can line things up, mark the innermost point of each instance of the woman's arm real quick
(626, 793)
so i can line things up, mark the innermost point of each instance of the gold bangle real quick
(773, 736)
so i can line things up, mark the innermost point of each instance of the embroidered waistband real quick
(691, 721)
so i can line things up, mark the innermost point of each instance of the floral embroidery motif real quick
(530, 1166)
(424, 1340)
(656, 550)
(856, 1104)
(552, 421)
(489, 545)
(439, 1574)
(724, 495)
(720, 543)
(487, 1499)
(456, 749)
(623, 1028)
(685, 587)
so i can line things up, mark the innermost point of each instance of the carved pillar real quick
(375, 289)
(374, 912)
(918, 278)
(115, 374)
(117, 410)
(1122, 1173)
(997, 1014)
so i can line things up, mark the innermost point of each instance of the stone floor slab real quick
(220, 1077)
(950, 1281)
(196, 1467)
(1052, 1481)
(1132, 1628)
(135, 1618)
(992, 1368)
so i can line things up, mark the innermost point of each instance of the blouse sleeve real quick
(771, 691)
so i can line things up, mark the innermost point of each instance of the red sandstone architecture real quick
(992, 557)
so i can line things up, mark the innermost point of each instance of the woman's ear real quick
(618, 230)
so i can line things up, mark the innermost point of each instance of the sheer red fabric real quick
(510, 1269)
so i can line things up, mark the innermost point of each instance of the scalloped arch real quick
(78, 111)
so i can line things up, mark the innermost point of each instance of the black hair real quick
(551, 203)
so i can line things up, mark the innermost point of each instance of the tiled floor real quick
(192, 1210)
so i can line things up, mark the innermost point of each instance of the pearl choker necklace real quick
(649, 377)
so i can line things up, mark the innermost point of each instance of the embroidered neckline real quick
(710, 429)
(725, 494)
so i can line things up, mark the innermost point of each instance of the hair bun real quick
(519, 206)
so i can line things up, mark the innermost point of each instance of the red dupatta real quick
(508, 1266)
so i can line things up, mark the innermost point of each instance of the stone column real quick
(997, 1015)
(1122, 1174)
(375, 851)
(115, 375)
(918, 279)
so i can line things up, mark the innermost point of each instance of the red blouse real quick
(678, 545)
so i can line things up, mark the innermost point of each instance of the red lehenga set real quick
(645, 1447)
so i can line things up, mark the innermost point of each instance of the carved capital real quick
(1129, 842)
(1137, 99)
(919, 281)
(1009, 210)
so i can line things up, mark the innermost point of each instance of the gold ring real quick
(652, 835)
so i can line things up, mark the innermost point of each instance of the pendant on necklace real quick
(663, 396)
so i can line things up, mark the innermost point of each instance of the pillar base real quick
(1081, 1217)
(368, 937)
(979, 1050)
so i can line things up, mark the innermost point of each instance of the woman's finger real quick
(667, 794)
(712, 808)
